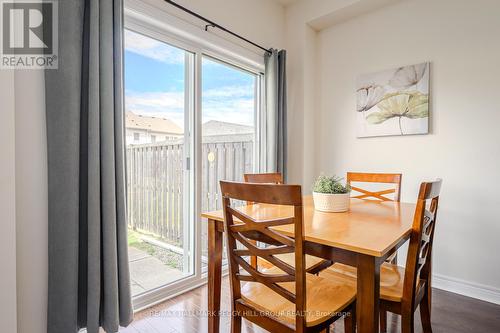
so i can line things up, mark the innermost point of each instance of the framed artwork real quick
(393, 102)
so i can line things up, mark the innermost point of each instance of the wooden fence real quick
(155, 183)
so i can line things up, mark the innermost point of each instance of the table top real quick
(369, 227)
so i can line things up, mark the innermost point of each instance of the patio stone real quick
(136, 254)
(150, 273)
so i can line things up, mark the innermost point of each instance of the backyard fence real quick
(155, 183)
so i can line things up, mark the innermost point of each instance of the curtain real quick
(89, 284)
(274, 132)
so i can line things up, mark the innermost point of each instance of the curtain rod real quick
(215, 25)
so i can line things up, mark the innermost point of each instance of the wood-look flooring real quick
(187, 314)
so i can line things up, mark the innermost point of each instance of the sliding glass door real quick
(190, 122)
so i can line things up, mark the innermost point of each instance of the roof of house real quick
(162, 125)
(153, 124)
(214, 127)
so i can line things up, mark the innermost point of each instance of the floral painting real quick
(393, 102)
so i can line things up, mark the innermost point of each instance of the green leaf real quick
(418, 106)
(412, 105)
(331, 185)
(376, 118)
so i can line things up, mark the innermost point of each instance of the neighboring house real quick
(221, 131)
(143, 129)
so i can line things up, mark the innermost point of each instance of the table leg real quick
(214, 276)
(367, 300)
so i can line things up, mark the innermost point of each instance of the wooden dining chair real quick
(284, 298)
(264, 178)
(402, 290)
(314, 264)
(380, 178)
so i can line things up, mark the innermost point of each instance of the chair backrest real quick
(263, 178)
(244, 229)
(383, 178)
(418, 262)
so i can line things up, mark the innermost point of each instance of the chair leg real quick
(350, 320)
(425, 313)
(407, 323)
(235, 324)
(383, 320)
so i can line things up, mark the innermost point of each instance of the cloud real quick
(229, 103)
(168, 105)
(152, 48)
(233, 104)
(233, 110)
(230, 91)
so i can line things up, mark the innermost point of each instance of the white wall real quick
(302, 21)
(458, 38)
(259, 20)
(262, 21)
(7, 204)
(31, 202)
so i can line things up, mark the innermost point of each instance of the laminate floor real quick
(187, 314)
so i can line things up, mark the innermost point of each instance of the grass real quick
(167, 257)
(134, 240)
(133, 237)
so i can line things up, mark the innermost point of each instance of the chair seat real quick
(289, 258)
(325, 298)
(391, 279)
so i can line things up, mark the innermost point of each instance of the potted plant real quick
(330, 195)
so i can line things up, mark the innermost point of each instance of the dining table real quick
(363, 237)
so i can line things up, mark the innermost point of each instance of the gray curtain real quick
(274, 133)
(89, 284)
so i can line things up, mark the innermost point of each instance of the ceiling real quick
(286, 2)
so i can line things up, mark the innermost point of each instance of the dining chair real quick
(314, 264)
(402, 290)
(380, 178)
(264, 178)
(283, 298)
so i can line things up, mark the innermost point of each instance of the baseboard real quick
(465, 288)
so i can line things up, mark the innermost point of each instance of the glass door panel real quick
(158, 99)
(229, 102)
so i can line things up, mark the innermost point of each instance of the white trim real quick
(144, 304)
(465, 288)
(141, 306)
(196, 164)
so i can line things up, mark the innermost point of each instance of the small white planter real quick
(332, 203)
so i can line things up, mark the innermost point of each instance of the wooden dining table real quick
(362, 237)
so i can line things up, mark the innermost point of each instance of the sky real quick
(154, 84)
